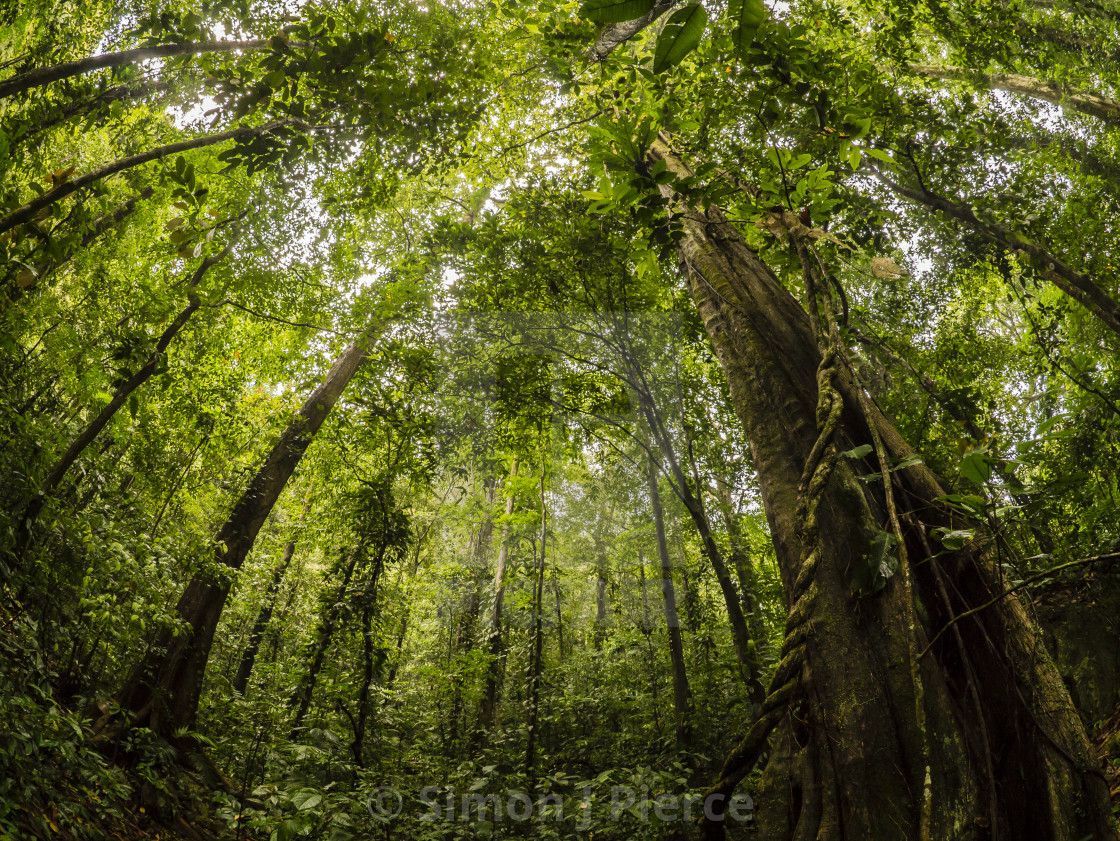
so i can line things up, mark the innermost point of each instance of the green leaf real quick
(857, 452)
(615, 11)
(871, 575)
(680, 36)
(748, 15)
(953, 539)
(976, 467)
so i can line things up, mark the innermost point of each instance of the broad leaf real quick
(748, 15)
(680, 36)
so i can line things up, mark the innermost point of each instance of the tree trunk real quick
(535, 659)
(986, 743)
(249, 656)
(682, 694)
(602, 569)
(371, 659)
(1092, 104)
(301, 698)
(27, 212)
(1078, 286)
(494, 643)
(45, 75)
(693, 503)
(164, 689)
(120, 397)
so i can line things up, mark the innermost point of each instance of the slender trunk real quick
(536, 657)
(1078, 286)
(743, 565)
(249, 656)
(1008, 752)
(371, 658)
(301, 698)
(693, 503)
(601, 570)
(367, 682)
(1095, 105)
(682, 694)
(468, 617)
(164, 689)
(45, 75)
(120, 396)
(494, 643)
(27, 212)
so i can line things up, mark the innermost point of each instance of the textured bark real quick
(616, 34)
(1093, 104)
(163, 690)
(1002, 747)
(494, 641)
(682, 693)
(40, 76)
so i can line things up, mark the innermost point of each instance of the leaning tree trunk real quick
(682, 693)
(163, 691)
(1093, 104)
(120, 396)
(978, 737)
(39, 76)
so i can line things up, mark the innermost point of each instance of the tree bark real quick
(40, 76)
(998, 743)
(682, 693)
(163, 690)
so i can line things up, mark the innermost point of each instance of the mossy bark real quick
(1001, 745)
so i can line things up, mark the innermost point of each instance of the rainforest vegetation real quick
(627, 419)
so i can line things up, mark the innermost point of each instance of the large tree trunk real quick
(988, 729)
(682, 693)
(163, 690)
(494, 642)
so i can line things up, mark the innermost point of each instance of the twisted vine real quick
(787, 677)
